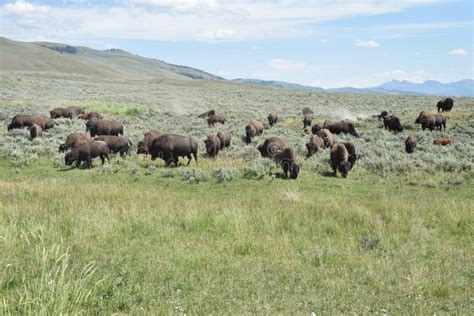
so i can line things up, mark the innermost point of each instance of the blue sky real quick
(313, 42)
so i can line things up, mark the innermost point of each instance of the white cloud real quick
(195, 20)
(368, 44)
(286, 65)
(459, 52)
(22, 7)
(417, 76)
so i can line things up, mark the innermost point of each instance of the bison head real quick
(69, 158)
(294, 170)
(344, 168)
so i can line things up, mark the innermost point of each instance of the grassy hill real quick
(112, 63)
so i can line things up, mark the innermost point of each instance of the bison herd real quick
(103, 137)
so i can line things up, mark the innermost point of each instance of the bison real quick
(392, 123)
(276, 149)
(86, 150)
(307, 120)
(104, 127)
(272, 118)
(214, 119)
(36, 131)
(69, 112)
(443, 141)
(307, 110)
(213, 145)
(170, 146)
(73, 139)
(337, 128)
(148, 137)
(225, 139)
(25, 120)
(340, 160)
(410, 144)
(431, 121)
(315, 143)
(327, 136)
(253, 129)
(445, 105)
(271, 146)
(116, 144)
(90, 116)
(352, 153)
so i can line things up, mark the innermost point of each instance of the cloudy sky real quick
(324, 43)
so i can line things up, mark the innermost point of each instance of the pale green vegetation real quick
(229, 236)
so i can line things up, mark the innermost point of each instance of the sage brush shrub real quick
(258, 168)
(224, 174)
(195, 175)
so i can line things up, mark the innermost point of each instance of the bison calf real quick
(410, 144)
(443, 141)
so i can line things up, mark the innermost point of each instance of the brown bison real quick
(410, 144)
(213, 145)
(72, 140)
(169, 147)
(392, 123)
(225, 139)
(116, 144)
(253, 129)
(86, 150)
(445, 105)
(207, 114)
(24, 120)
(307, 120)
(69, 112)
(327, 136)
(214, 119)
(271, 146)
(315, 143)
(104, 127)
(307, 110)
(148, 137)
(337, 128)
(276, 149)
(340, 160)
(36, 131)
(443, 141)
(90, 116)
(272, 118)
(431, 121)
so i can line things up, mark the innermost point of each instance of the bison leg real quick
(89, 162)
(195, 157)
(189, 159)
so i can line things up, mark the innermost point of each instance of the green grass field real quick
(134, 237)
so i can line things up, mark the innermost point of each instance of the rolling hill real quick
(112, 63)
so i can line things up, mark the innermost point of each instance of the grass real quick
(228, 235)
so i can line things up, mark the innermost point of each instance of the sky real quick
(320, 43)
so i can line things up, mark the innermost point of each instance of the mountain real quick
(462, 88)
(112, 63)
(278, 84)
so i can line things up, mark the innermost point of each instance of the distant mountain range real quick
(462, 88)
(18, 56)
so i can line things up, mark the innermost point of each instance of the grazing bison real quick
(410, 144)
(72, 140)
(276, 149)
(272, 118)
(36, 131)
(445, 105)
(352, 153)
(207, 114)
(90, 116)
(116, 144)
(431, 121)
(104, 127)
(443, 141)
(214, 119)
(327, 136)
(225, 139)
(24, 120)
(148, 137)
(307, 110)
(69, 112)
(315, 143)
(340, 160)
(271, 146)
(392, 123)
(170, 146)
(307, 120)
(213, 145)
(86, 150)
(253, 129)
(337, 128)
(315, 129)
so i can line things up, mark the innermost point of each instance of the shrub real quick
(258, 169)
(195, 175)
(224, 174)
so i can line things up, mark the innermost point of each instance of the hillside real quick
(112, 63)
